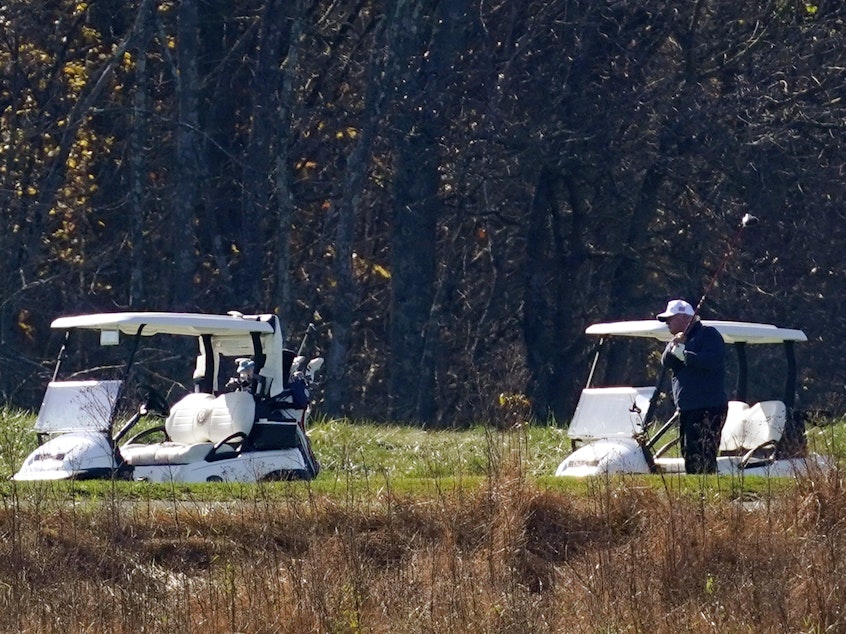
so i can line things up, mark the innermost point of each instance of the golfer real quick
(696, 359)
(247, 379)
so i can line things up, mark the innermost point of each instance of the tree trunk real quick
(137, 166)
(415, 213)
(257, 179)
(537, 307)
(555, 255)
(188, 157)
(357, 165)
(280, 290)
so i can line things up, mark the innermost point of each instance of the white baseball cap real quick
(675, 307)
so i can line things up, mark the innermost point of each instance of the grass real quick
(413, 531)
(409, 452)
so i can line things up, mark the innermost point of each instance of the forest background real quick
(451, 190)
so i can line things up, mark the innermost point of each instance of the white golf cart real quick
(250, 430)
(611, 429)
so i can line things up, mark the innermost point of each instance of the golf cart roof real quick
(192, 324)
(732, 331)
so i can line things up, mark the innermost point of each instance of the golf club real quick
(746, 221)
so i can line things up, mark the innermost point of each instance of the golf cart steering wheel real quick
(152, 400)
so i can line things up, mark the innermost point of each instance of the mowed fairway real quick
(408, 530)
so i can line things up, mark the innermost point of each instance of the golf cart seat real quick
(198, 426)
(609, 412)
(753, 431)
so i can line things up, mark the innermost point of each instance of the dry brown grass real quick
(510, 556)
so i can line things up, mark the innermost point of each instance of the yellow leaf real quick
(381, 270)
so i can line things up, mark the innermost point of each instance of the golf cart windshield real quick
(77, 406)
(610, 412)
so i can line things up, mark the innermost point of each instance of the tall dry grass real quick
(510, 555)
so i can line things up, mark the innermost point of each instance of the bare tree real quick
(139, 137)
(190, 173)
(338, 391)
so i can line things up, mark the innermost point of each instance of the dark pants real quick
(700, 438)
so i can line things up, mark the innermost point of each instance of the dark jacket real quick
(699, 380)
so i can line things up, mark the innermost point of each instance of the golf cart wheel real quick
(286, 475)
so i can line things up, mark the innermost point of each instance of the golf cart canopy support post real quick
(790, 381)
(742, 383)
(126, 368)
(597, 351)
(205, 377)
(61, 356)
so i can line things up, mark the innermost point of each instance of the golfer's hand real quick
(677, 350)
(679, 338)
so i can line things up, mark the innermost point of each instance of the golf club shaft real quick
(735, 241)
(653, 401)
